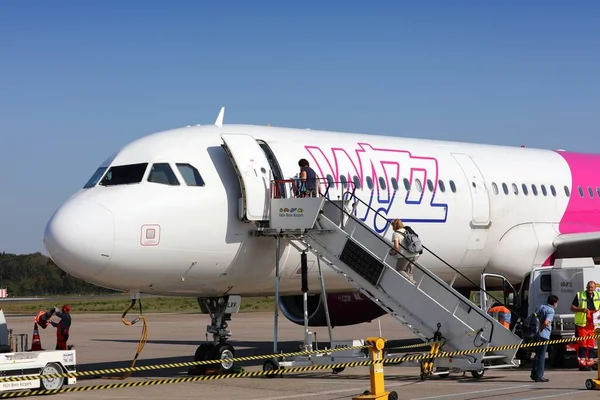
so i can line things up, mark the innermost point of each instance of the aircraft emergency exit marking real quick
(382, 165)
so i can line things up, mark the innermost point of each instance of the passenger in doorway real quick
(309, 183)
(584, 305)
(404, 257)
(500, 313)
(545, 313)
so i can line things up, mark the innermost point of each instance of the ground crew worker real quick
(584, 305)
(62, 327)
(501, 314)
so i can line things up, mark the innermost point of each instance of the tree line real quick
(37, 275)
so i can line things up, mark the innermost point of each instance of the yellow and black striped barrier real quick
(181, 380)
(415, 357)
(195, 363)
(352, 364)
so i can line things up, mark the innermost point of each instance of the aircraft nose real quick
(80, 237)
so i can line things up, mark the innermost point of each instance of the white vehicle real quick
(564, 279)
(172, 214)
(33, 363)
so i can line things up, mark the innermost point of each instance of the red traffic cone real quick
(36, 343)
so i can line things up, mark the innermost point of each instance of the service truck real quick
(32, 363)
(564, 279)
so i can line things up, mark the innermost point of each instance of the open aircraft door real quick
(254, 174)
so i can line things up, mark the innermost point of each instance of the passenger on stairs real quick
(405, 258)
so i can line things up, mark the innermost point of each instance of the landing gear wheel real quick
(393, 396)
(52, 383)
(590, 384)
(224, 352)
(201, 355)
(270, 365)
(478, 374)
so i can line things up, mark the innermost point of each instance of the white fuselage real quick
(189, 241)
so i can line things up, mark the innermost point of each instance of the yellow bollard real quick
(592, 384)
(376, 345)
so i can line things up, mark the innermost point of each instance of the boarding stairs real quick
(329, 230)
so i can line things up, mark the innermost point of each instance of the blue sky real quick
(78, 80)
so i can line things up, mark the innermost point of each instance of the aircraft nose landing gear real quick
(220, 310)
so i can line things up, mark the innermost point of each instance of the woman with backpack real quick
(407, 248)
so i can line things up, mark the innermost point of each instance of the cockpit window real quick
(95, 178)
(162, 173)
(190, 175)
(124, 174)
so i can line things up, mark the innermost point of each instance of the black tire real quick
(590, 384)
(52, 383)
(270, 365)
(201, 354)
(393, 395)
(478, 374)
(224, 351)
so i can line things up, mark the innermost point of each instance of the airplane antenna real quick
(219, 121)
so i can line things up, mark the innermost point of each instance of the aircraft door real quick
(254, 173)
(479, 195)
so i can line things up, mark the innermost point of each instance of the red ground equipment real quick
(43, 318)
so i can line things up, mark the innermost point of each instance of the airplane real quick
(169, 215)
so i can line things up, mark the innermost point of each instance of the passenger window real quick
(394, 183)
(525, 191)
(495, 187)
(515, 189)
(406, 184)
(580, 190)
(441, 185)
(534, 190)
(330, 181)
(544, 192)
(95, 178)
(553, 190)
(369, 182)
(382, 183)
(419, 185)
(124, 174)
(356, 182)
(591, 191)
(430, 185)
(567, 191)
(505, 188)
(452, 186)
(163, 174)
(598, 191)
(190, 175)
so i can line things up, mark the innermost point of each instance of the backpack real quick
(531, 326)
(412, 241)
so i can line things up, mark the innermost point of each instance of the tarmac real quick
(102, 341)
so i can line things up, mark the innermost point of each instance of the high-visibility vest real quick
(581, 317)
(502, 314)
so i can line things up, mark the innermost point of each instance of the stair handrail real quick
(352, 194)
(349, 183)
